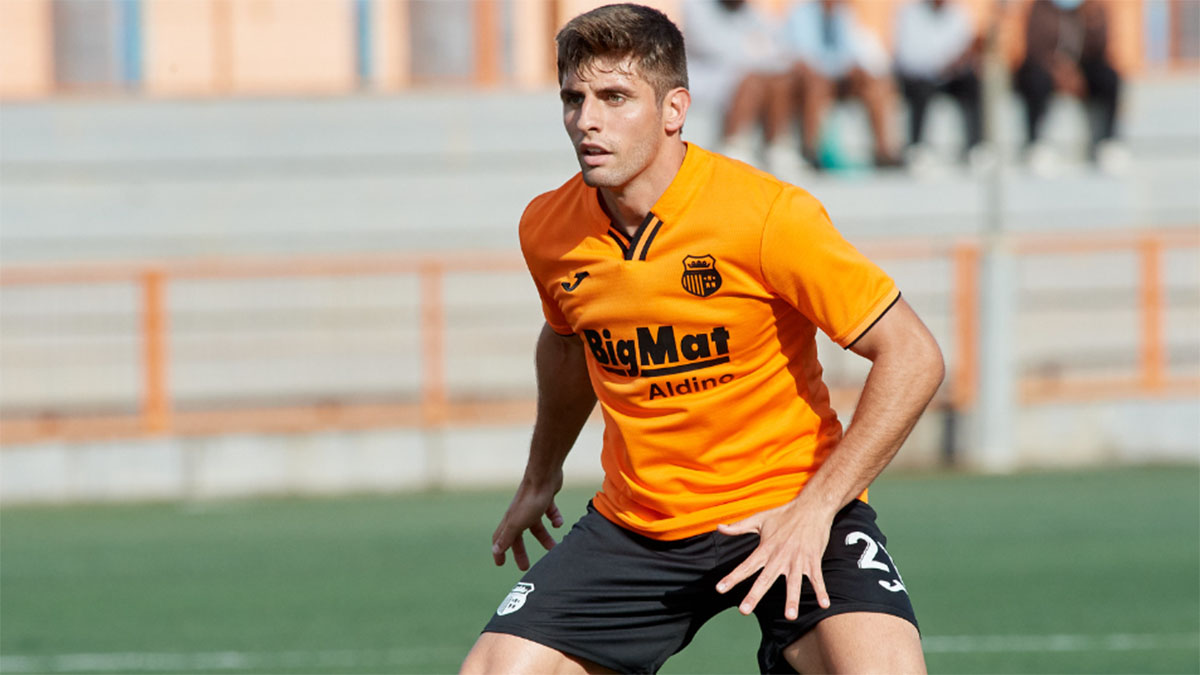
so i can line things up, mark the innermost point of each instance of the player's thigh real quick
(858, 642)
(862, 580)
(499, 653)
(612, 596)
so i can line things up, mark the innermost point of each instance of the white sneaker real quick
(784, 162)
(921, 161)
(1113, 158)
(982, 159)
(740, 147)
(1043, 160)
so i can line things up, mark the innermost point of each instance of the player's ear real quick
(675, 107)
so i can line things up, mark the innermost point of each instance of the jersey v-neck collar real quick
(669, 207)
(640, 241)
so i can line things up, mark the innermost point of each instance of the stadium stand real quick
(409, 182)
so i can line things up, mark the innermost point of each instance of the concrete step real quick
(133, 178)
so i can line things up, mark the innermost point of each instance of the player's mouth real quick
(593, 155)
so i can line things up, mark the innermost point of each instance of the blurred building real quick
(329, 47)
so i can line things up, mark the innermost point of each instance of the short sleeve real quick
(810, 265)
(552, 312)
(529, 249)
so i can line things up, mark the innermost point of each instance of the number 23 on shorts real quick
(868, 561)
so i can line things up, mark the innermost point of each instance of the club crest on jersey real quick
(515, 600)
(700, 275)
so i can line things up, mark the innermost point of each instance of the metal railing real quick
(434, 406)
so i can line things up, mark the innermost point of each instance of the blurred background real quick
(254, 252)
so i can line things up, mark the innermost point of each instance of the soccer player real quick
(683, 290)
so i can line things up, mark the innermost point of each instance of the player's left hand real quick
(792, 540)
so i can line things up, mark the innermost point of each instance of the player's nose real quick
(589, 117)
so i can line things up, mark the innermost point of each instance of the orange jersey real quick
(700, 337)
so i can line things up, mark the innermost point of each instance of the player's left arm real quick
(906, 370)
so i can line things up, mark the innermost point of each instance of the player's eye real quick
(571, 98)
(616, 98)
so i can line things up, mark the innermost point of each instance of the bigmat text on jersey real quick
(658, 352)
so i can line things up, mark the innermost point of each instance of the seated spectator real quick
(836, 57)
(738, 68)
(937, 51)
(1066, 50)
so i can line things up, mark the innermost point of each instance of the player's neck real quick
(629, 204)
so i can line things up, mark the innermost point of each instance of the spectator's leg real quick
(746, 106)
(1035, 84)
(917, 93)
(781, 156)
(1103, 90)
(816, 96)
(780, 111)
(876, 94)
(965, 89)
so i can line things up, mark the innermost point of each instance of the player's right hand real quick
(525, 513)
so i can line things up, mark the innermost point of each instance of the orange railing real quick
(1153, 377)
(158, 415)
(435, 406)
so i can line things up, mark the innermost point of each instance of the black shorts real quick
(628, 602)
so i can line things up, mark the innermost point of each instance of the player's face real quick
(615, 122)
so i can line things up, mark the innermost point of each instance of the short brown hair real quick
(645, 34)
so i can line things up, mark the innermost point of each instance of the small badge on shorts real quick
(515, 600)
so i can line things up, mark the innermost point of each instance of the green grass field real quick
(1083, 572)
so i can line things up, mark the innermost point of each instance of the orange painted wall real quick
(26, 50)
(292, 46)
(1126, 34)
(218, 47)
(533, 42)
(248, 46)
(390, 43)
(178, 47)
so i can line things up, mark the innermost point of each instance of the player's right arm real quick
(565, 400)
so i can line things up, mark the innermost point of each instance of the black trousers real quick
(1035, 84)
(963, 88)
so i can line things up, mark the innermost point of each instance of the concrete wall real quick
(254, 465)
(148, 179)
(390, 460)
